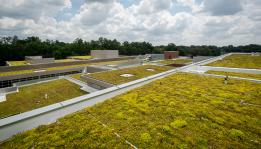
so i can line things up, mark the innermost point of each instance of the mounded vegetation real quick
(114, 76)
(33, 96)
(236, 74)
(179, 111)
(239, 61)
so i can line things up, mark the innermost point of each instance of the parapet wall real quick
(155, 57)
(8, 89)
(41, 61)
(105, 53)
(27, 58)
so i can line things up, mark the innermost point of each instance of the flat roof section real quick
(239, 61)
(176, 111)
(115, 76)
(39, 95)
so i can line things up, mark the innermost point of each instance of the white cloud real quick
(192, 4)
(31, 8)
(147, 20)
(223, 7)
(152, 6)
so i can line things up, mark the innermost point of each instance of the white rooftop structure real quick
(105, 53)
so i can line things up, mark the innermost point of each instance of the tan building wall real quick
(41, 61)
(27, 58)
(105, 53)
(38, 60)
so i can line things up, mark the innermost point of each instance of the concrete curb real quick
(227, 69)
(233, 77)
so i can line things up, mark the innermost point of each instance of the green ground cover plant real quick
(176, 61)
(178, 111)
(64, 60)
(66, 67)
(17, 63)
(81, 57)
(33, 96)
(76, 76)
(12, 73)
(236, 74)
(80, 130)
(139, 72)
(239, 61)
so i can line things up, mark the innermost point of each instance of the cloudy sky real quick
(183, 22)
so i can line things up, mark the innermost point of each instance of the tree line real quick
(13, 48)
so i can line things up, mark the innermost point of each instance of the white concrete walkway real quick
(233, 77)
(203, 69)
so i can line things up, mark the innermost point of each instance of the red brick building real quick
(171, 54)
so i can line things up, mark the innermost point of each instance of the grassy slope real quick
(179, 111)
(239, 61)
(27, 97)
(177, 61)
(236, 74)
(139, 72)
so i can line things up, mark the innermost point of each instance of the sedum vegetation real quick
(79, 130)
(86, 57)
(236, 74)
(64, 60)
(33, 96)
(239, 61)
(17, 63)
(176, 61)
(179, 111)
(76, 76)
(12, 73)
(139, 72)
